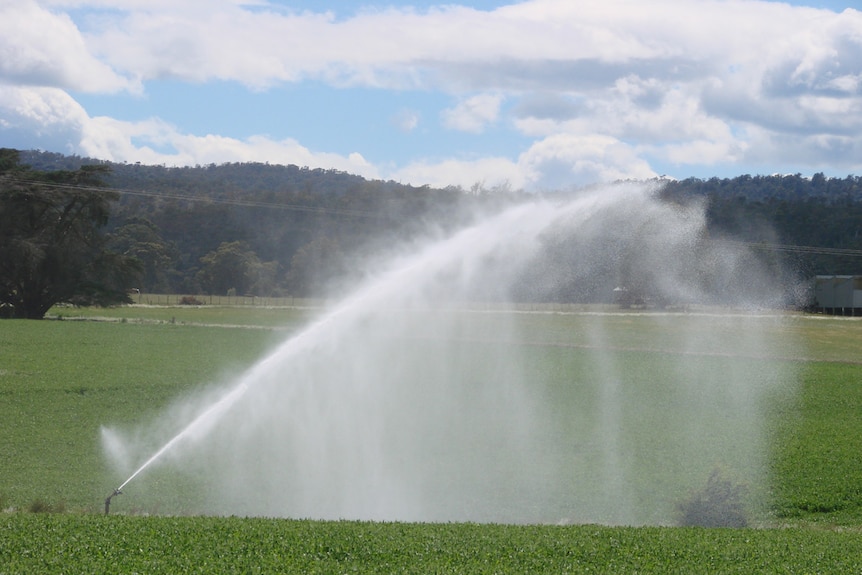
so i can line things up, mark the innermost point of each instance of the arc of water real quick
(211, 412)
(363, 299)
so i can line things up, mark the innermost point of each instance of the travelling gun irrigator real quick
(210, 413)
(108, 500)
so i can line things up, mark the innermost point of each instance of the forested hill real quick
(813, 224)
(252, 179)
(234, 181)
(290, 229)
(775, 187)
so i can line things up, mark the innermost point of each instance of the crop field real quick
(117, 544)
(61, 381)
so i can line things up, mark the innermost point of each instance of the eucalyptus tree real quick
(52, 249)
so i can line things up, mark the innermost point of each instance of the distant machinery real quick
(838, 295)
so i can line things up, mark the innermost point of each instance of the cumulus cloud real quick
(46, 118)
(473, 114)
(564, 160)
(524, 43)
(547, 105)
(42, 48)
(406, 120)
(595, 89)
(487, 171)
(556, 162)
(156, 142)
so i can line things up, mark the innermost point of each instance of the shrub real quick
(42, 506)
(719, 504)
(190, 300)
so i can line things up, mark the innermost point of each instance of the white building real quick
(838, 295)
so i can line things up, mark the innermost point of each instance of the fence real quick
(161, 299)
(225, 300)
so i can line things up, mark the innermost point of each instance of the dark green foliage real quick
(141, 239)
(786, 209)
(190, 300)
(51, 248)
(42, 506)
(325, 222)
(170, 218)
(233, 267)
(719, 504)
(313, 264)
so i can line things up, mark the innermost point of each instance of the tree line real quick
(84, 231)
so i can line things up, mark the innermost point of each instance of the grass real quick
(91, 544)
(61, 380)
(818, 448)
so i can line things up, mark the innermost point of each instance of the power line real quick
(188, 198)
(823, 251)
(789, 248)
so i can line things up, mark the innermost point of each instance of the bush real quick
(42, 506)
(190, 300)
(719, 504)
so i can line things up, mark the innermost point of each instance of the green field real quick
(118, 544)
(60, 381)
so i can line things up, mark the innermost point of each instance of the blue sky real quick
(537, 94)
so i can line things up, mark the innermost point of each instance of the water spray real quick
(210, 413)
(108, 500)
(396, 404)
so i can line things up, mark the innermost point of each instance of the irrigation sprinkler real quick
(213, 411)
(108, 500)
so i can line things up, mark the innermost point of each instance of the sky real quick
(533, 94)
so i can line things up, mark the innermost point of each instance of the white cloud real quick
(558, 161)
(41, 48)
(847, 83)
(563, 160)
(473, 114)
(708, 152)
(596, 88)
(38, 108)
(406, 120)
(155, 142)
(45, 118)
(488, 171)
(48, 118)
(520, 45)
(203, 40)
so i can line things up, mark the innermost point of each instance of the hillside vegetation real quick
(271, 230)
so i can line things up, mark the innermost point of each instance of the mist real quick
(439, 390)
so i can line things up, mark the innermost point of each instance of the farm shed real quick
(838, 295)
